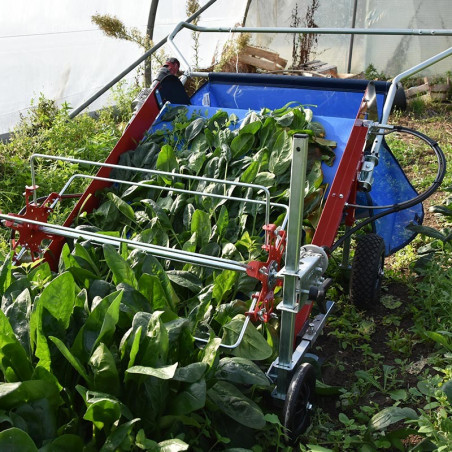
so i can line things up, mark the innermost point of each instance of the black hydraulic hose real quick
(441, 159)
(133, 65)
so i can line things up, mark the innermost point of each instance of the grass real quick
(395, 359)
(399, 355)
(416, 158)
(47, 129)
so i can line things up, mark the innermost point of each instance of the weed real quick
(431, 295)
(372, 378)
(371, 73)
(191, 7)
(417, 107)
(352, 329)
(115, 28)
(435, 419)
(400, 342)
(303, 44)
(391, 319)
(391, 302)
(48, 129)
(228, 61)
(370, 358)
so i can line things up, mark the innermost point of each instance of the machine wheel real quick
(367, 271)
(400, 102)
(299, 403)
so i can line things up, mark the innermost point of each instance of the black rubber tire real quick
(400, 102)
(367, 271)
(299, 403)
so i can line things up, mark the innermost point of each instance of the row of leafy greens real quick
(102, 355)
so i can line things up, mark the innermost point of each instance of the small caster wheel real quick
(367, 271)
(299, 403)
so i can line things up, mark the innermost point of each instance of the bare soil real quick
(338, 364)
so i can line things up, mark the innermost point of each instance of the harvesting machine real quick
(366, 187)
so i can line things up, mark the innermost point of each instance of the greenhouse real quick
(226, 226)
(54, 48)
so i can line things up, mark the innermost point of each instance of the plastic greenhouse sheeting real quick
(388, 54)
(52, 47)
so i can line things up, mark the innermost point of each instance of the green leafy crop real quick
(102, 354)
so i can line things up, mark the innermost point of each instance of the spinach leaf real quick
(235, 405)
(122, 273)
(241, 371)
(253, 346)
(15, 439)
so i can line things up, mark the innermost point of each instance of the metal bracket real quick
(371, 158)
(30, 235)
(308, 339)
(312, 265)
(267, 273)
(366, 175)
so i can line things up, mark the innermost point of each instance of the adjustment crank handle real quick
(318, 294)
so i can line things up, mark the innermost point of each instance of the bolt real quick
(341, 196)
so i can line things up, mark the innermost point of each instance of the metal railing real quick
(120, 76)
(288, 30)
(161, 173)
(297, 30)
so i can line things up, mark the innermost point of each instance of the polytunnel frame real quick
(290, 30)
(147, 54)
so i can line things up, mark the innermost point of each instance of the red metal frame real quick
(342, 190)
(129, 140)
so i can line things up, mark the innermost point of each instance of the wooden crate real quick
(262, 59)
(429, 91)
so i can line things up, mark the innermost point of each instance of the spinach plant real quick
(102, 354)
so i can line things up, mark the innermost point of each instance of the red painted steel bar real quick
(129, 140)
(343, 189)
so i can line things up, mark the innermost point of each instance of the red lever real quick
(31, 235)
(265, 272)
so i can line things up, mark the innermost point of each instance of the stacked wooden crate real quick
(262, 59)
(429, 91)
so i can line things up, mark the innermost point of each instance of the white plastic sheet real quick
(52, 47)
(388, 54)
